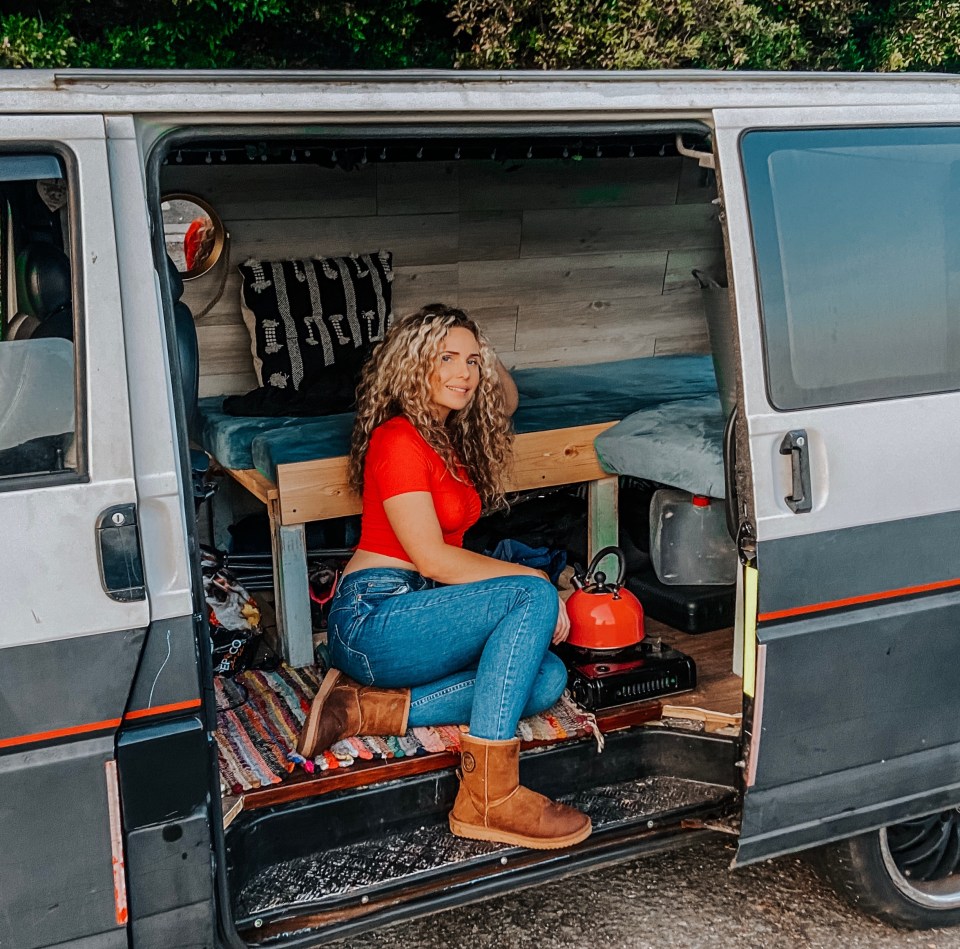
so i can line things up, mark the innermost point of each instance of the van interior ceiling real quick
(575, 251)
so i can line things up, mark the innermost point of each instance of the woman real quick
(430, 633)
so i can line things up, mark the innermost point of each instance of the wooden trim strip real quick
(162, 709)
(858, 600)
(318, 489)
(116, 843)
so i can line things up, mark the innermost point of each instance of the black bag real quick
(234, 619)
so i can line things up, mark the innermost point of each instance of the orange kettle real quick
(603, 615)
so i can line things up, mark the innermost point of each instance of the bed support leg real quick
(602, 518)
(292, 592)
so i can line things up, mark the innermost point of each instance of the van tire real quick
(870, 874)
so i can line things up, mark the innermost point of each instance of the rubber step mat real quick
(402, 857)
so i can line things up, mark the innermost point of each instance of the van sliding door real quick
(845, 243)
(74, 609)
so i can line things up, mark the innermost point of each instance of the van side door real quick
(74, 611)
(844, 227)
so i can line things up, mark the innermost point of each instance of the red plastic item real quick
(604, 615)
(700, 500)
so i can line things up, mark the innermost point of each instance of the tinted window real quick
(857, 243)
(37, 365)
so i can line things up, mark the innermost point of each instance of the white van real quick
(566, 212)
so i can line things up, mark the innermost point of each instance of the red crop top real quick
(399, 461)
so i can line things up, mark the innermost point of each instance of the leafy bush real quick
(501, 34)
(718, 34)
(28, 41)
(197, 34)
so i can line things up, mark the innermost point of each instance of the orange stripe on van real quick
(160, 709)
(60, 733)
(857, 600)
(108, 723)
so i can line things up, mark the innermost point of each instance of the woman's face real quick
(457, 373)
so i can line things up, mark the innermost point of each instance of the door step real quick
(355, 874)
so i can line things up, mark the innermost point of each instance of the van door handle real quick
(796, 445)
(118, 546)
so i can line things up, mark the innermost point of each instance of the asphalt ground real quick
(685, 899)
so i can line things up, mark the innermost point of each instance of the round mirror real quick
(193, 233)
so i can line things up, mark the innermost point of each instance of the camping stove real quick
(602, 678)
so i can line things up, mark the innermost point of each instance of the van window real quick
(857, 242)
(37, 366)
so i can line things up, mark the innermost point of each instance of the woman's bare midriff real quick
(365, 559)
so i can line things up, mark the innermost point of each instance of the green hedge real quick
(879, 35)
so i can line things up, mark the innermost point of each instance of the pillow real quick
(313, 322)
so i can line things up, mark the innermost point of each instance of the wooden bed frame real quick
(317, 490)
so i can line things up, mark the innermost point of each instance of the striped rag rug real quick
(259, 715)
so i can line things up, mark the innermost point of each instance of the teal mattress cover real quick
(550, 398)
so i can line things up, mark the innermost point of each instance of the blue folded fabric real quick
(540, 558)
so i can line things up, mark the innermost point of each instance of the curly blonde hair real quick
(396, 381)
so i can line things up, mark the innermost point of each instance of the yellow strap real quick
(749, 630)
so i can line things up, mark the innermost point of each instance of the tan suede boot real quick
(492, 805)
(343, 708)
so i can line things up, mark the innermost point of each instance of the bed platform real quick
(297, 466)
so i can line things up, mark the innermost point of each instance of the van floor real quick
(714, 706)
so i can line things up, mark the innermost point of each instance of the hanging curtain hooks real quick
(456, 154)
(630, 153)
(293, 154)
(530, 152)
(223, 155)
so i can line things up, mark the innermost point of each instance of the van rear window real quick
(857, 242)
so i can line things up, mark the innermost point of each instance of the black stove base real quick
(600, 679)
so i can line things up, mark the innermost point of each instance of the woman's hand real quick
(563, 623)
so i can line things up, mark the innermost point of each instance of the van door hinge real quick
(118, 547)
(746, 543)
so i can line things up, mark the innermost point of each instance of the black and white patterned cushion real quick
(313, 321)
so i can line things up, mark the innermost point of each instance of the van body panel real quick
(168, 676)
(413, 94)
(51, 520)
(854, 721)
(40, 693)
(871, 562)
(69, 652)
(56, 871)
(157, 445)
(877, 665)
(806, 807)
(165, 779)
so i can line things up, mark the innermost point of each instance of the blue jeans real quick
(469, 652)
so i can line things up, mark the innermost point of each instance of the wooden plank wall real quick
(561, 262)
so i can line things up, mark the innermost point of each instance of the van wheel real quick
(907, 874)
